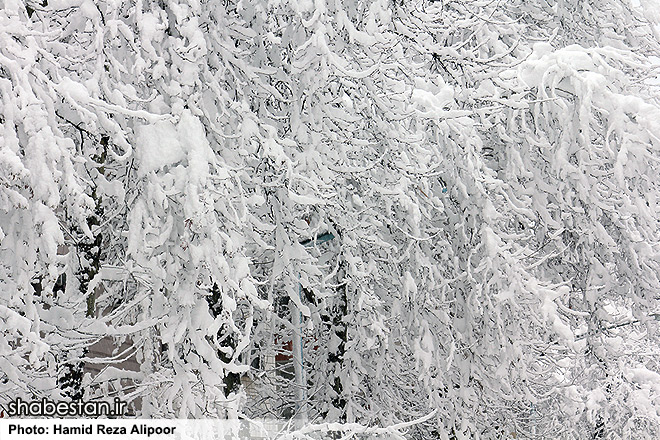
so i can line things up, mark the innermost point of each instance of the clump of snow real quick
(158, 146)
(164, 144)
(644, 376)
(431, 96)
(73, 90)
(651, 10)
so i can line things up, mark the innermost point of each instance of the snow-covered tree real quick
(47, 202)
(485, 171)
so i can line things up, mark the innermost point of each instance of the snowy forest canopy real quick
(457, 201)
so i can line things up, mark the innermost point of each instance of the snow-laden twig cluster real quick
(487, 170)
